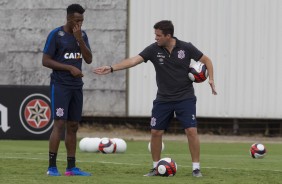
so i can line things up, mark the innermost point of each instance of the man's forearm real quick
(85, 51)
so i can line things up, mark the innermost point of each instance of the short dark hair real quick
(75, 8)
(166, 26)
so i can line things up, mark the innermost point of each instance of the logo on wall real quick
(35, 114)
(4, 118)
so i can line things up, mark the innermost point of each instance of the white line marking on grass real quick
(224, 168)
(26, 153)
(119, 163)
(116, 163)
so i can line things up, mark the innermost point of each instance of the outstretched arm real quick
(124, 64)
(204, 59)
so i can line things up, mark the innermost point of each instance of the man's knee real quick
(72, 127)
(156, 133)
(59, 125)
(191, 132)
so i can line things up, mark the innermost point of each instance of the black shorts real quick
(66, 102)
(163, 112)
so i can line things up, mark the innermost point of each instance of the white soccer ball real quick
(149, 146)
(83, 143)
(121, 145)
(107, 146)
(92, 144)
(198, 72)
(166, 167)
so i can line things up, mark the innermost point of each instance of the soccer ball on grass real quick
(120, 145)
(107, 146)
(166, 167)
(258, 150)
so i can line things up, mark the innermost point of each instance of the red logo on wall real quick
(35, 114)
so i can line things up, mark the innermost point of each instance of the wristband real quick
(112, 70)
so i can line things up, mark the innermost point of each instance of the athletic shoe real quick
(197, 173)
(153, 172)
(76, 172)
(53, 171)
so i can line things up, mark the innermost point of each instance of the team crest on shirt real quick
(61, 33)
(181, 54)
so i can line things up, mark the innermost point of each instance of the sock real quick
(155, 164)
(71, 162)
(52, 159)
(196, 165)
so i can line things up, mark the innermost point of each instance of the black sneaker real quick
(197, 173)
(153, 172)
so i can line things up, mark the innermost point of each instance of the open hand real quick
(102, 70)
(211, 82)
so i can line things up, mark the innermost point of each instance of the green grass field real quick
(26, 162)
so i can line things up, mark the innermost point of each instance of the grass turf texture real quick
(26, 162)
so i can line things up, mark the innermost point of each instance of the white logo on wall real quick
(35, 113)
(4, 118)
